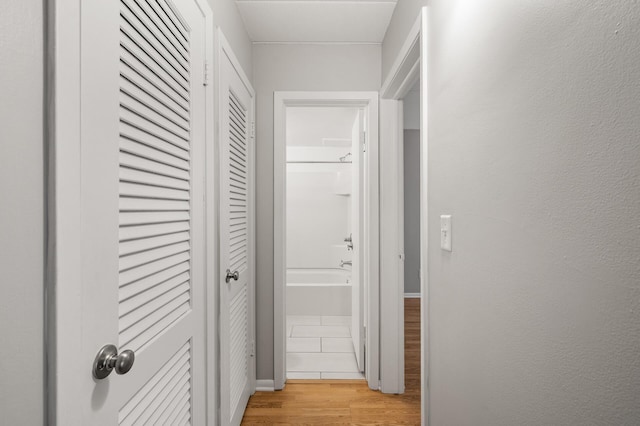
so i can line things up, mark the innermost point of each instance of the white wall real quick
(227, 16)
(411, 109)
(411, 152)
(21, 212)
(404, 16)
(316, 126)
(293, 67)
(318, 216)
(534, 148)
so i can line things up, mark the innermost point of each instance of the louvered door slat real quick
(135, 190)
(136, 33)
(138, 120)
(175, 396)
(171, 277)
(146, 178)
(155, 175)
(174, 24)
(145, 244)
(151, 292)
(136, 405)
(163, 27)
(141, 12)
(173, 273)
(148, 95)
(139, 143)
(141, 315)
(146, 114)
(139, 335)
(143, 204)
(141, 218)
(174, 146)
(132, 275)
(239, 373)
(134, 53)
(147, 108)
(179, 416)
(143, 258)
(146, 231)
(137, 72)
(138, 163)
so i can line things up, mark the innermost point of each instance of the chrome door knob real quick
(108, 360)
(232, 276)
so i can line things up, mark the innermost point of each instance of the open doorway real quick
(324, 256)
(326, 236)
(411, 270)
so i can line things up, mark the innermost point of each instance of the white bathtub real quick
(318, 292)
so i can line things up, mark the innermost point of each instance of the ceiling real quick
(291, 21)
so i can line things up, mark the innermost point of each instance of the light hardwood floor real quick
(346, 402)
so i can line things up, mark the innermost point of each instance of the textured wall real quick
(227, 16)
(534, 148)
(21, 212)
(293, 67)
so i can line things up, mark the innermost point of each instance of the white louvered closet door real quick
(143, 143)
(236, 234)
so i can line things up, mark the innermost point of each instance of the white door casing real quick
(357, 227)
(237, 353)
(134, 272)
(370, 276)
(409, 66)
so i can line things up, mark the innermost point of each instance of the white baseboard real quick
(265, 386)
(412, 296)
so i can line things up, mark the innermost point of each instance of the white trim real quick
(210, 224)
(64, 286)
(405, 70)
(425, 360)
(412, 295)
(409, 66)
(368, 101)
(265, 386)
(391, 248)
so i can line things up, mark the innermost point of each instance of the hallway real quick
(346, 401)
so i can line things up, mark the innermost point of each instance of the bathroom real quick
(323, 240)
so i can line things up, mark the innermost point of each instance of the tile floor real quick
(320, 347)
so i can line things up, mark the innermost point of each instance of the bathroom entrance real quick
(324, 269)
(326, 238)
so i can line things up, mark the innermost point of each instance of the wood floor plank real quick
(345, 402)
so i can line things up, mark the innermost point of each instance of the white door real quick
(357, 224)
(141, 257)
(236, 242)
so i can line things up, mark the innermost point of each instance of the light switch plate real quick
(445, 232)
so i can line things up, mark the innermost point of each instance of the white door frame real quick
(63, 281)
(368, 101)
(409, 66)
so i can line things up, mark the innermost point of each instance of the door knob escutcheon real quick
(108, 360)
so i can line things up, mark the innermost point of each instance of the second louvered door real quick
(236, 234)
(142, 175)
